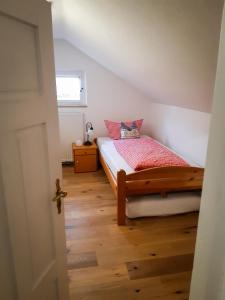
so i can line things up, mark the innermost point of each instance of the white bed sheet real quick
(149, 205)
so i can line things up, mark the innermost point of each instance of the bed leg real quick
(121, 197)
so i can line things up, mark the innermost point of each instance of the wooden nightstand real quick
(85, 158)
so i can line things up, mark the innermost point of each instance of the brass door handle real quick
(58, 196)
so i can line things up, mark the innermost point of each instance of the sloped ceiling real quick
(165, 48)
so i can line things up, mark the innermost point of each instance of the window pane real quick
(68, 88)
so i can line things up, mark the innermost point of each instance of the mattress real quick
(148, 205)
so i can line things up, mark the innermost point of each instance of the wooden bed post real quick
(121, 197)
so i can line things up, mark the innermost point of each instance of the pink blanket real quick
(145, 153)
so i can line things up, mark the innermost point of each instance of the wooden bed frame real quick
(151, 181)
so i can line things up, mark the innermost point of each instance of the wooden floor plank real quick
(172, 287)
(99, 251)
(81, 260)
(160, 266)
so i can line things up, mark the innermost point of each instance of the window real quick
(71, 89)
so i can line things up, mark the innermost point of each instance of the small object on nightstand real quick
(85, 158)
(79, 143)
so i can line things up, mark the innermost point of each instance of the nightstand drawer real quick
(85, 163)
(85, 151)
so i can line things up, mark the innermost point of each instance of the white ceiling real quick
(165, 48)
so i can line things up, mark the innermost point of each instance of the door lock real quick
(58, 196)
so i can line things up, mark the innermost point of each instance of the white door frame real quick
(208, 279)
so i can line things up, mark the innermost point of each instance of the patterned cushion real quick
(129, 132)
(115, 127)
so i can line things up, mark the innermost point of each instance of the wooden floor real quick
(149, 259)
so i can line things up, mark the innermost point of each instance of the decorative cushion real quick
(129, 132)
(115, 127)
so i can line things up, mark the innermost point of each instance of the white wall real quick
(71, 126)
(108, 96)
(184, 130)
(166, 48)
(208, 281)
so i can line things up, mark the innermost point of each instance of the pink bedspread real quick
(145, 153)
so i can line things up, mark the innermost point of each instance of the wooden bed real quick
(151, 181)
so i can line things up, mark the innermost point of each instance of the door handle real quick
(58, 196)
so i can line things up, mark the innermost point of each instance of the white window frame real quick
(83, 92)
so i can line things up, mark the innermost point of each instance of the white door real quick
(208, 278)
(29, 152)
